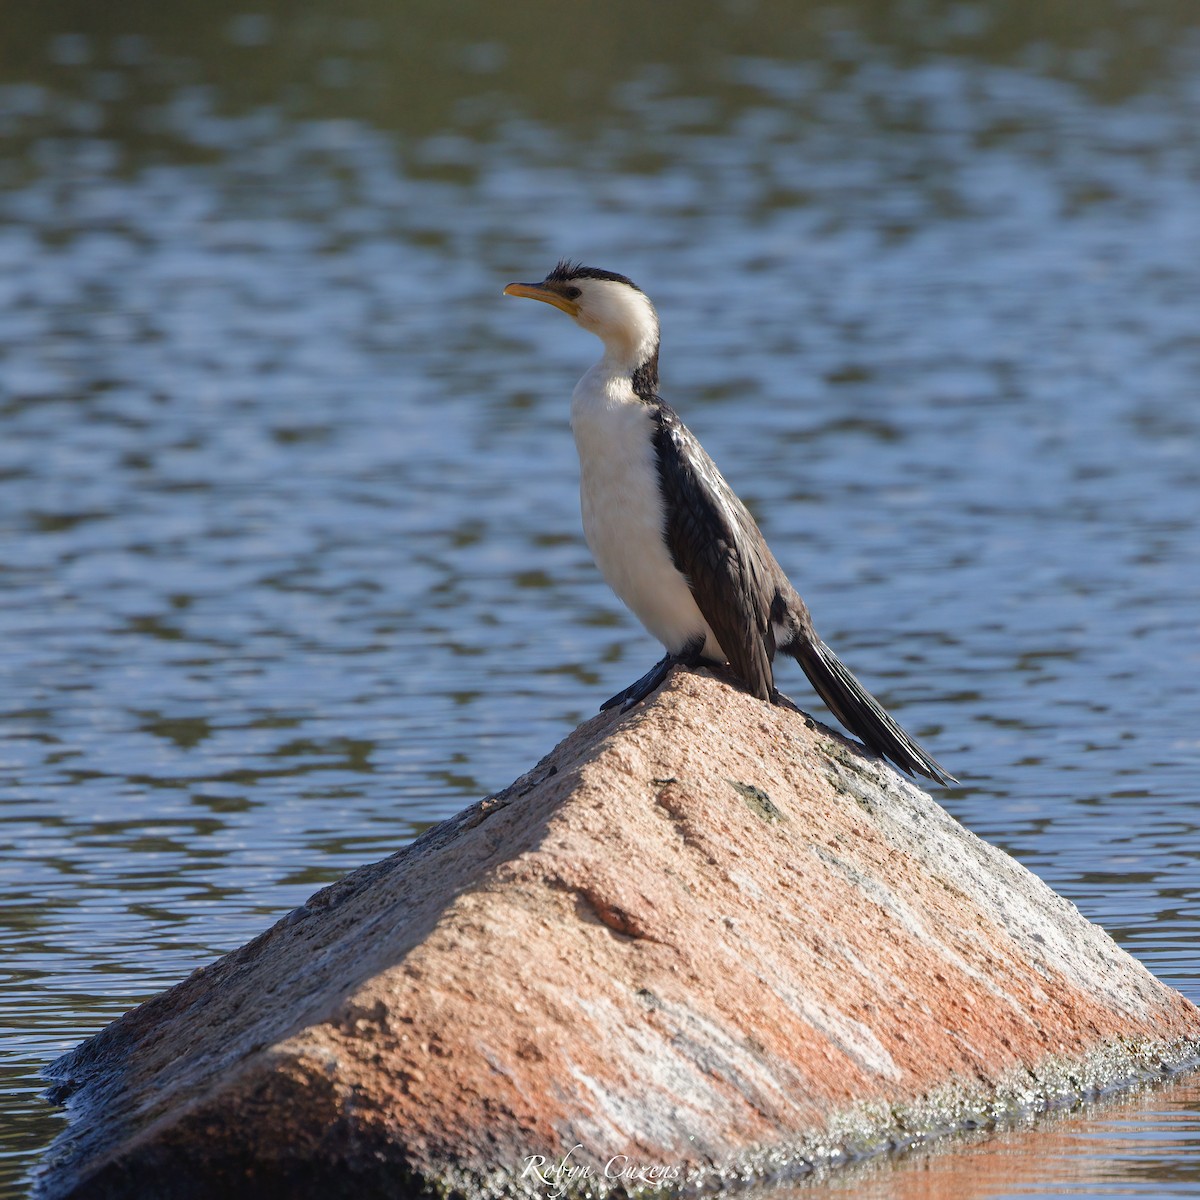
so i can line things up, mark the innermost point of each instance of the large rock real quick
(702, 939)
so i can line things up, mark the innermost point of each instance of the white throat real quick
(623, 319)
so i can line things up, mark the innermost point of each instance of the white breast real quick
(623, 517)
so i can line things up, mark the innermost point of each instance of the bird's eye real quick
(571, 293)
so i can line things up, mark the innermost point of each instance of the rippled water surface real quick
(289, 554)
(1144, 1144)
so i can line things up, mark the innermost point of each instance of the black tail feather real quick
(862, 714)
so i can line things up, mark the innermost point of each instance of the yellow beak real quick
(539, 291)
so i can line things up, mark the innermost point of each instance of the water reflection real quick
(1140, 1145)
(289, 544)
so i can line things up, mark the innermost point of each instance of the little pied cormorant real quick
(670, 536)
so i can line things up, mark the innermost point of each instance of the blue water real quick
(290, 564)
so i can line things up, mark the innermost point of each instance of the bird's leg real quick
(653, 679)
(692, 654)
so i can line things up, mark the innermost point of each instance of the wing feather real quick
(716, 545)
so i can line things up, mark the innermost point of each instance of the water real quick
(1142, 1144)
(289, 555)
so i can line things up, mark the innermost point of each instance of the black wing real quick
(716, 545)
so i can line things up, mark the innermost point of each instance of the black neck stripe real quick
(645, 378)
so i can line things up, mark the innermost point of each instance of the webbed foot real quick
(637, 691)
(641, 688)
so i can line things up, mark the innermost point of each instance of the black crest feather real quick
(566, 271)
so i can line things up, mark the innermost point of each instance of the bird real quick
(672, 539)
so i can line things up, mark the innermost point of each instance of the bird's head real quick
(612, 307)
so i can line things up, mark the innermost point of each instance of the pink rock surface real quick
(702, 939)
